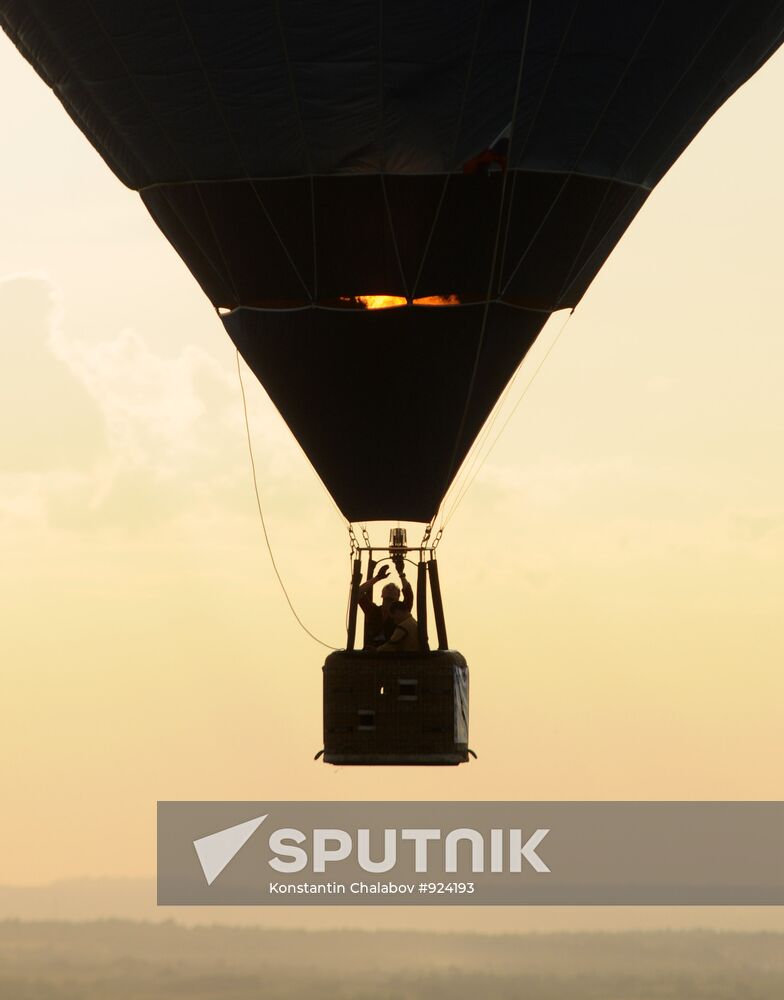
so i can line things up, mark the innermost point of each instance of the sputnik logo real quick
(217, 849)
(331, 846)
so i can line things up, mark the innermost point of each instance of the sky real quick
(613, 575)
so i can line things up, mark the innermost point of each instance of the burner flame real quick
(395, 301)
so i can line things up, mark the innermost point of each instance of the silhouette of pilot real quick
(379, 623)
(405, 637)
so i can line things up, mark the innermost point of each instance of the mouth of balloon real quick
(361, 303)
(357, 302)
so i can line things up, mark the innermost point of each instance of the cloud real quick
(118, 430)
(48, 421)
(159, 413)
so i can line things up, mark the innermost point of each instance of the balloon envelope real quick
(300, 154)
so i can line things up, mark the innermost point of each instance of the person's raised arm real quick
(406, 592)
(365, 590)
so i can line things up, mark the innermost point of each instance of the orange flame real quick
(438, 300)
(395, 301)
(381, 301)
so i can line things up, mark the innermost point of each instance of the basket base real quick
(438, 759)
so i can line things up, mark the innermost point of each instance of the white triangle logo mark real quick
(217, 849)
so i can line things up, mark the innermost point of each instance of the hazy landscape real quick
(51, 960)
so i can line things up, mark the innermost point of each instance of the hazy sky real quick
(614, 576)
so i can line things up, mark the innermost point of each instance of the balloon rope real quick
(494, 259)
(479, 444)
(261, 514)
(458, 500)
(468, 481)
(469, 462)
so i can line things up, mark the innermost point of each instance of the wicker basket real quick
(396, 708)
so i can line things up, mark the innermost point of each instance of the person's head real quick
(390, 593)
(398, 612)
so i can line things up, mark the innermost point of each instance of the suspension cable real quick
(261, 515)
(494, 259)
(493, 262)
(447, 515)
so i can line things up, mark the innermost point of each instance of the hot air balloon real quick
(469, 165)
